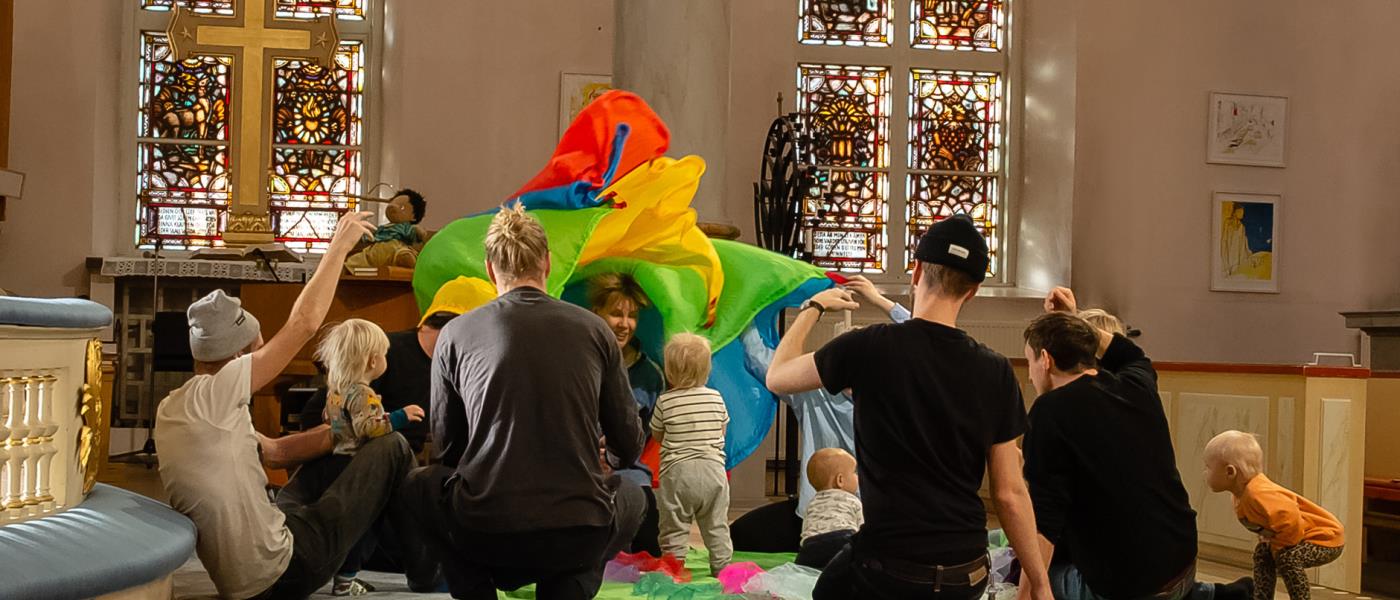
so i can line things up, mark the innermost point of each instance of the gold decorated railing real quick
(50, 416)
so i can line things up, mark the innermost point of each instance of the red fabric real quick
(583, 152)
(651, 457)
(647, 563)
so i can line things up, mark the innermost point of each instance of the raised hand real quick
(413, 412)
(866, 290)
(834, 299)
(350, 229)
(1061, 299)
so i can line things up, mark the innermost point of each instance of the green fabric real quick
(698, 561)
(459, 249)
(754, 278)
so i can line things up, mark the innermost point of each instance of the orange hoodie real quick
(1285, 518)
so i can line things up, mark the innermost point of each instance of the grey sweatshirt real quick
(522, 388)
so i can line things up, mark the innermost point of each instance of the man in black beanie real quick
(934, 411)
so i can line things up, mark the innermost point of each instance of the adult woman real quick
(618, 299)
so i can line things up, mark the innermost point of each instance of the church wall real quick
(471, 98)
(7, 8)
(62, 136)
(1143, 189)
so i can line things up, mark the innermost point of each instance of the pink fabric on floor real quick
(734, 576)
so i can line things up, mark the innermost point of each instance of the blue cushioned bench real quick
(73, 313)
(114, 540)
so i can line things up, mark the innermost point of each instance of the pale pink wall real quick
(472, 93)
(62, 130)
(763, 62)
(1142, 216)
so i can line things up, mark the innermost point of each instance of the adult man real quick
(523, 388)
(1099, 456)
(933, 409)
(210, 453)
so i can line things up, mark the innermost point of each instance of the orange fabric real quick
(583, 151)
(1287, 519)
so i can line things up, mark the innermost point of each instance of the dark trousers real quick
(819, 549)
(649, 533)
(327, 514)
(565, 564)
(771, 528)
(848, 576)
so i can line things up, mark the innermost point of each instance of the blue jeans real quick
(1066, 583)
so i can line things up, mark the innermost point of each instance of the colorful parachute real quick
(610, 201)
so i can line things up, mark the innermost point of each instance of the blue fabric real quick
(73, 313)
(114, 540)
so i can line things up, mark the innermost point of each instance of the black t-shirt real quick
(404, 382)
(407, 381)
(929, 403)
(1103, 478)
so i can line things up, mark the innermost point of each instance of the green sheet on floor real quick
(697, 561)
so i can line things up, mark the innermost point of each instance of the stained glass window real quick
(845, 22)
(293, 9)
(221, 7)
(183, 180)
(845, 111)
(955, 148)
(317, 129)
(313, 8)
(958, 24)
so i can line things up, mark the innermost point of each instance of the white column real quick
(15, 422)
(675, 55)
(47, 427)
(6, 384)
(31, 444)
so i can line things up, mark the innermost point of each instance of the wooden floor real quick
(192, 581)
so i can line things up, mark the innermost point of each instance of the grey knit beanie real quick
(219, 327)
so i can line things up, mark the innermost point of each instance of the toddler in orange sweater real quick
(1294, 533)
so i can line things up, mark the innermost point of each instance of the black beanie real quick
(955, 242)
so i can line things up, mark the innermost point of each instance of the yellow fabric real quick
(652, 221)
(460, 296)
(1285, 518)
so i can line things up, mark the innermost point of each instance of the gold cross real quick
(253, 37)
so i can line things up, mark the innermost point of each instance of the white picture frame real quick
(1244, 242)
(1247, 129)
(576, 91)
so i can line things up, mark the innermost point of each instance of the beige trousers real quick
(695, 491)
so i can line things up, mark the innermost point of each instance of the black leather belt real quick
(968, 574)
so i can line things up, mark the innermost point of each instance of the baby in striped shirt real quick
(835, 513)
(689, 422)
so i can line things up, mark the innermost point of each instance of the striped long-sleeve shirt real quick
(691, 424)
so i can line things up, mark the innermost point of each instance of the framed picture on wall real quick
(1244, 242)
(577, 90)
(1247, 129)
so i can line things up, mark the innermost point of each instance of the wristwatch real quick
(810, 303)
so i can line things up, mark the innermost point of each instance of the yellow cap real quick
(460, 296)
